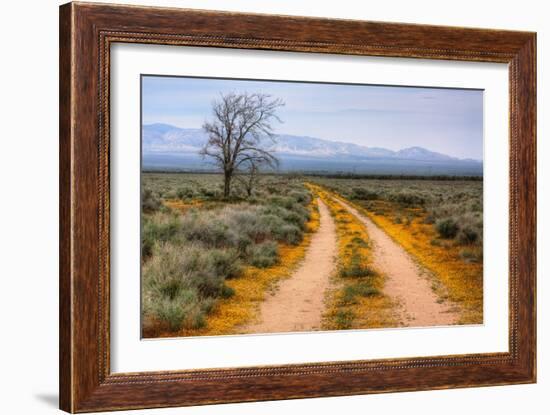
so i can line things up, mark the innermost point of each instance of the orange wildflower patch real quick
(456, 279)
(181, 205)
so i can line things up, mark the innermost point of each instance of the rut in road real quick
(297, 304)
(419, 305)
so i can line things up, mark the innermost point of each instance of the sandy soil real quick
(297, 304)
(406, 280)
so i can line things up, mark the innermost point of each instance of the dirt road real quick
(297, 304)
(406, 280)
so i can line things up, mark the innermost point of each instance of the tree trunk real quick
(251, 180)
(226, 184)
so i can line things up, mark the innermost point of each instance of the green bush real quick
(157, 228)
(150, 202)
(185, 193)
(407, 199)
(264, 254)
(356, 269)
(360, 289)
(296, 217)
(282, 201)
(176, 312)
(344, 319)
(302, 197)
(225, 262)
(467, 235)
(208, 283)
(360, 193)
(180, 283)
(204, 227)
(210, 268)
(227, 292)
(246, 224)
(209, 193)
(290, 234)
(447, 228)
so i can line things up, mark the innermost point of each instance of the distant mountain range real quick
(168, 147)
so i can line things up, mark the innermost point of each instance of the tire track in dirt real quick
(405, 283)
(297, 303)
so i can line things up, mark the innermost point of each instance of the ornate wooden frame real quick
(86, 33)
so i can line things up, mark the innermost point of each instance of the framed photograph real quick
(258, 207)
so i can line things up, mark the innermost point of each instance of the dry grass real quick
(251, 287)
(357, 301)
(462, 280)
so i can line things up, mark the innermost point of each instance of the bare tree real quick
(240, 125)
(248, 176)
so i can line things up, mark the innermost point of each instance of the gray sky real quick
(448, 121)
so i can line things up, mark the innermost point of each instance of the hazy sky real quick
(449, 121)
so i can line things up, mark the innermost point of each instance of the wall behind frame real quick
(28, 219)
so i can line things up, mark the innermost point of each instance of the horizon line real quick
(324, 139)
